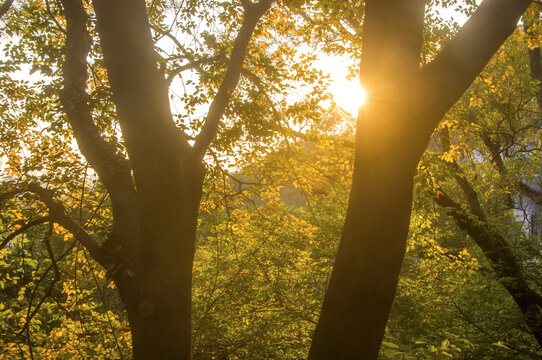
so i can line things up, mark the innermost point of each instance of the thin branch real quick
(255, 79)
(48, 7)
(253, 13)
(31, 314)
(191, 65)
(47, 241)
(23, 229)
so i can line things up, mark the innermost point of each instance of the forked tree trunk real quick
(154, 260)
(404, 105)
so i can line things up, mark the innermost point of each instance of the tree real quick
(149, 255)
(155, 196)
(405, 105)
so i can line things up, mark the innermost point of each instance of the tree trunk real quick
(154, 275)
(362, 286)
(366, 270)
(168, 179)
(404, 105)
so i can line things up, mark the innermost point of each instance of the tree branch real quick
(253, 13)
(58, 214)
(494, 151)
(503, 262)
(464, 184)
(191, 65)
(5, 7)
(534, 195)
(465, 56)
(535, 63)
(158, 155)
(23, 229)
(113, 170)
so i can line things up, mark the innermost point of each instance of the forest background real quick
(278, 173)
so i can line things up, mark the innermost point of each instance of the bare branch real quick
(253, 13)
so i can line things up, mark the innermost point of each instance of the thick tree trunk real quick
(158, 302)
(168, 179)
(403, 108)
(388, 146)
(157, 294)
(362, 286)
(155, 279)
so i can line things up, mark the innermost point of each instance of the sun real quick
(349, 95)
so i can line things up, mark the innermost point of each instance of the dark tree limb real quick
(50, 252)
(113, 170)
(495, 152)
(534, 195)
(57, 213)
(466, 55)
(5, 7)
(503, 262)
(253, 13)
(10, 194)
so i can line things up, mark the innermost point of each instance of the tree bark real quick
(403, 107)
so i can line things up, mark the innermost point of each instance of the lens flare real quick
(349, 95)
